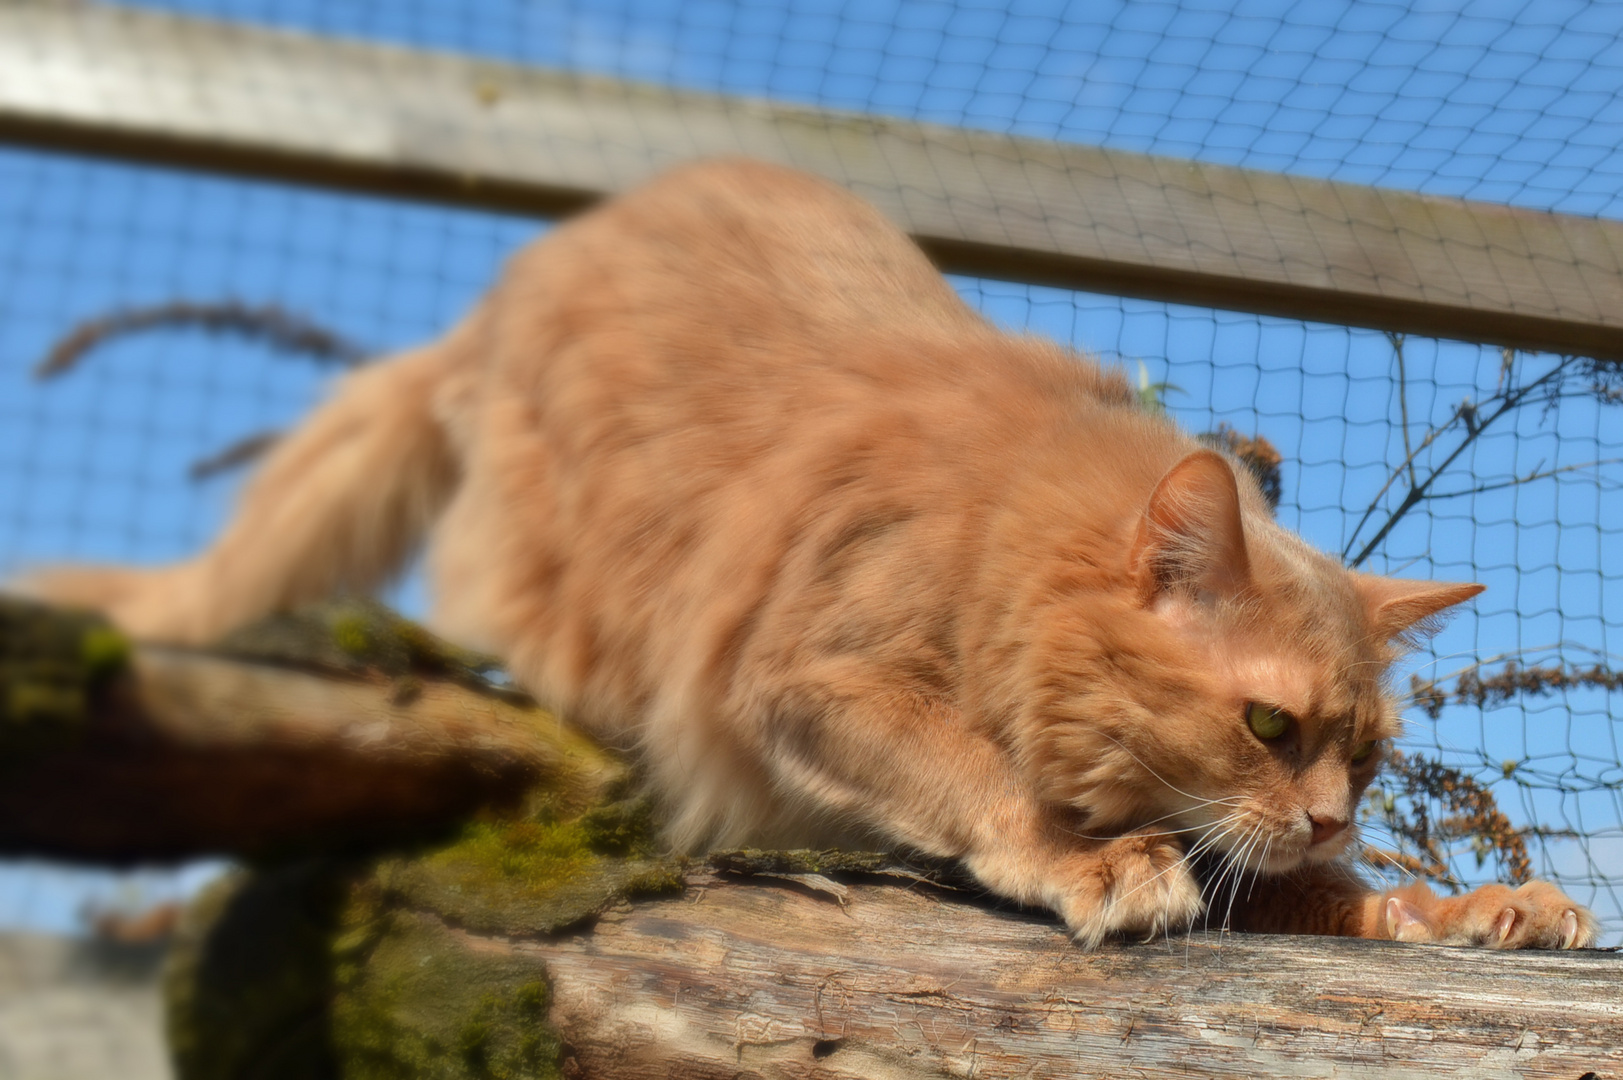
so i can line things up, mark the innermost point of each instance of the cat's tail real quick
(339, 504)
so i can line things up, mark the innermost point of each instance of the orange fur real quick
(726, 470)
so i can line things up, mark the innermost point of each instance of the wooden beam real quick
(203, 94)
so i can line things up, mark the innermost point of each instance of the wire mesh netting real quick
(1512, 102)
(1413, 456)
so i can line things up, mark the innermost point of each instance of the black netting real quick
(1515, 103)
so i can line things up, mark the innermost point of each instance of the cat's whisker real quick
(1228, 801)
(1234, 887)
(1205, 842)
(1184, 861)
(1261, 864)
(1239, 877)
(1146, 768)
(1403, 872)
(1225, 855)
(1118, 836)
(1212, 886)
(1234, 858)
(1234, 868)
(1218, 840)
(1210, 889)
(1214, 835)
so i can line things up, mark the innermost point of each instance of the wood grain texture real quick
(281, 105)
(745, 979)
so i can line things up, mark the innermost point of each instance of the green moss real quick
(553, 868)
(799, 861)
(104, 652)
(352, 970)
(250, 980)
(314, 971)
(625, 828)
(53, 666)
(746, 861)
(352, 632)
(355, 636)
(363, 969)
(419, 1005)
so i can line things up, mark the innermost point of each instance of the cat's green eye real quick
(1266, 721)
(1362, 751)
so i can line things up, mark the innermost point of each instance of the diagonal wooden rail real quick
(195, 93)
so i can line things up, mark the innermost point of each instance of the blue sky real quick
(1515, 103)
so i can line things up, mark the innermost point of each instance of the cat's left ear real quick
(1400, 609)
(1191, 535)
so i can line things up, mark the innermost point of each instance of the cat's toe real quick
(1541, 916)
(1536, 915)
(1144, 888)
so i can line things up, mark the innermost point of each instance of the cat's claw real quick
(1569, 927)
(1536, 915)
(1507, 920)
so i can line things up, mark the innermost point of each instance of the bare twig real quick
(1403, 400)
(1516, 481)
(239, 453)
(1468, 414)
(271, 325)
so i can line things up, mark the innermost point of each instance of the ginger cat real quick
(726, 469)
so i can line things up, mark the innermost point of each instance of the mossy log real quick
(333, 730)
(381, 971)
(446, 881)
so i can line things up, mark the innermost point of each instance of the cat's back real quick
(735, 243)
(731, 290)
(700, 393)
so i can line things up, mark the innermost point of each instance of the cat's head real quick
(1234, 687)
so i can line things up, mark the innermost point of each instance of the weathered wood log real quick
(726, 977)
(548, 935)
(341, 728)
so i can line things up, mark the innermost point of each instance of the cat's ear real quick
(1191, 536)
(1409, 609)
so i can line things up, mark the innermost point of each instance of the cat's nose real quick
(1325, 827)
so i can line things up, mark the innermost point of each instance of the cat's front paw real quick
(1536, 915)
(1138, 884)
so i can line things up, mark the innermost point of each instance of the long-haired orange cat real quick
(727, 468)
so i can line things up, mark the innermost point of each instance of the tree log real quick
(338, 729)
(524, 922)
(733, 979)
(728, 977)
